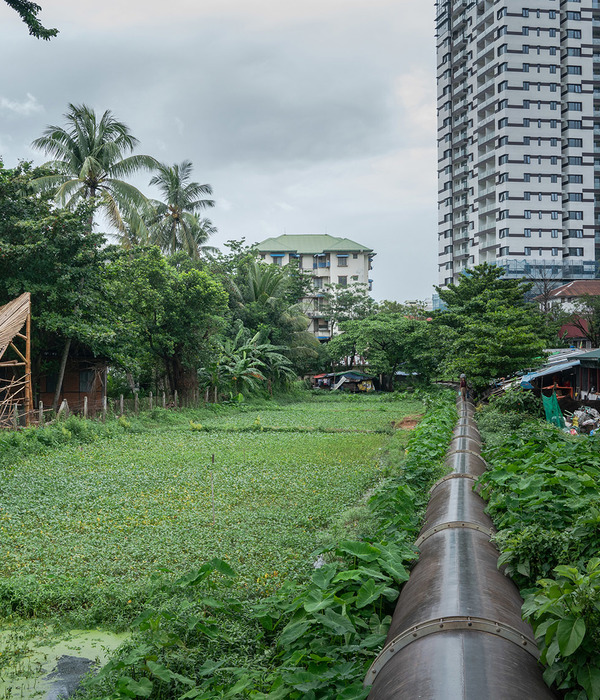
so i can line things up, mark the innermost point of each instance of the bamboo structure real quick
(15, 360)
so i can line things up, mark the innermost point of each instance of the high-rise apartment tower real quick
(519, 136)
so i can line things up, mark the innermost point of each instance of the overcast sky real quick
(306, 116)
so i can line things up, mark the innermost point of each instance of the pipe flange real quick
(449, 624)
(468, 452)
(454, 524)
(448, 477)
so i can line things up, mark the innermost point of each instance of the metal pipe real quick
(457, 631)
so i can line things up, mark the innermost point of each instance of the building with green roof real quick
(328, 260)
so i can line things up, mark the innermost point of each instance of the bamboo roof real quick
(12, 319)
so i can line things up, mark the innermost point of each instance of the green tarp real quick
(553, 413)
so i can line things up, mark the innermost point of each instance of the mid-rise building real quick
(328, 260)
(518, 136)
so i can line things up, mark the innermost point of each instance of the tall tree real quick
(489, 330)
(175, 223)
(346, 302)
(390, 342)
(90, 158)
(51, 254)
(162, 316)
(586, 318)
(29, 12)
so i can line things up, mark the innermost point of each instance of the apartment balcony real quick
(486, 138)
(482, 123)
(488, 208)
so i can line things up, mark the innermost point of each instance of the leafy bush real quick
(308, 640)
(542, 493)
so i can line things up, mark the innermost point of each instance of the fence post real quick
(121, 404)
(15, 417)
(206, 395)
(216, 395)
(136, 403)
(150, 397)
(164, 400)
(85, 407)
(175, 399)
(104, 408)
(41, 413)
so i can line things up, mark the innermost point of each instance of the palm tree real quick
(175, 223)
(90, 157)
(89, 160)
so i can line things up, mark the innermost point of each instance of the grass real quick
(89, 529)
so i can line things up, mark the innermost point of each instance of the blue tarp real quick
(549, 369)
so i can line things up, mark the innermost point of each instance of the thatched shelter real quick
(15, 360)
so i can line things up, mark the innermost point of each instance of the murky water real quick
(50, 666)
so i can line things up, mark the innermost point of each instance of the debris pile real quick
(584, 420)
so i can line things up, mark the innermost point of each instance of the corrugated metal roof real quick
(576, 288)
(553, 369)
(310, 244)
(12, 318)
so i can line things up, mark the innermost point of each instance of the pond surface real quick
(50, 666)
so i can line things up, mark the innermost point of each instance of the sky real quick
(311, 116)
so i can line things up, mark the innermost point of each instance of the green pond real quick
(36, 662)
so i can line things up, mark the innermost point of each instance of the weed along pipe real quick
(457, 632)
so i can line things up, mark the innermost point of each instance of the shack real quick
(575, 380)
(350, 380)
(15, 361)
(85, 377)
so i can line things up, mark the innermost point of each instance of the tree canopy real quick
(29, 12)
(90, 156)
(487, 328)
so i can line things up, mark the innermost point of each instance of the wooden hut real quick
(16, 398)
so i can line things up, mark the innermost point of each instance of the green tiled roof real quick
(310, 243)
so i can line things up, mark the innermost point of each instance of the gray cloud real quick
(315, 116)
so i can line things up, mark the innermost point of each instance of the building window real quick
(554, 251)
(86, 381)
(575, 215)
(527, 214)
(527, 232)
(575, 178)
(575, 197)
(343, 281)
(576, 232)
(342, 260)
(527, 251)
(554, 233)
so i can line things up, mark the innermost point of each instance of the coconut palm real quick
(175, 223)
(90, 156)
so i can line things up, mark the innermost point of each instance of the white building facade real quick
(328, 260)
(518, 110)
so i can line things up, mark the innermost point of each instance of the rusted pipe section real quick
(457, 632)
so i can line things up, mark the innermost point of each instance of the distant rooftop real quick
(576, 288)
(310, 244)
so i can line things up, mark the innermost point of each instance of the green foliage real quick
(390, 342)
(162, 315)
(565, 612)
(175, 224)
(90, 156)
(50, 254)
(309, 639)
(543, 497)
(488, 329)
(28, 12)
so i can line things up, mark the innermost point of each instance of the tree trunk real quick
(61, 373)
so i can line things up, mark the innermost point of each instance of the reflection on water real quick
(48, 666)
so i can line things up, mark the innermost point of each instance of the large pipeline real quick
(457, 632)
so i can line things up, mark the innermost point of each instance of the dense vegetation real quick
(122, 515)
(543, 496)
